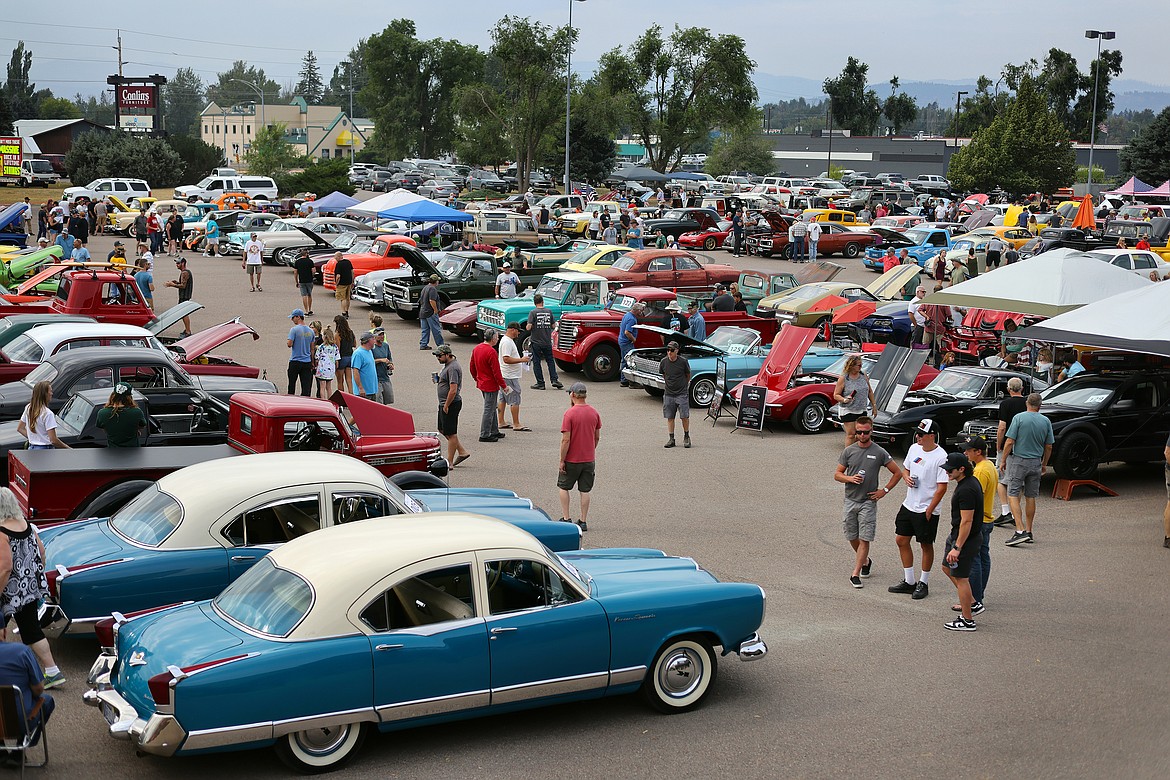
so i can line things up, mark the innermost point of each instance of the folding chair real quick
(14, 732)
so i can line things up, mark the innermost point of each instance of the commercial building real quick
(318, 132)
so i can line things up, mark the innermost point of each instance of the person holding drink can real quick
(859, 469)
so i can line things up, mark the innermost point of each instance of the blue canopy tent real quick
(425, 211)
(686, 176)
(333, 203)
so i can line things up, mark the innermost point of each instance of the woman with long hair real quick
(38, 424)
(855, 395)
(22, 574)
(121, 418)
(346, 343)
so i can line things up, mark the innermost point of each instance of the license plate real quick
(962, 345)
(108, 713)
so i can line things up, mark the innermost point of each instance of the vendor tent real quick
(386, 200)
(1161, 191)
(1134, 321)
(1046, 285)
(1134, 186)
(686, 176)
(638, 174)
(424, 210)
(333, 203)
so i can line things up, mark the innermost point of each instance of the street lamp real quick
(346, 64)
(259, 92)
(1100, 35)
(958, 109)
(568, 90)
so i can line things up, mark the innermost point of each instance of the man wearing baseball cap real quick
(963, 542)
(723, 300)
(365, 370)
(300, 362)
(507, 282)
(449, 381)
(185, 284)
(696, 325)
(676, 374)
(926, 484)
(975, 448)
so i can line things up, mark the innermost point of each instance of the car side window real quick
(1142, 261)
(520, 584)
(79, 343)
(1121, 261)
(353, 507)
(275, 523)
(659, 264)
(313, 436)
(938, 239)
(1143, 394)
(438, 596)
(685, 264)
(143, 376)
(97, 378)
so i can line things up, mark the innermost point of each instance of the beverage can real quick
(435, 377)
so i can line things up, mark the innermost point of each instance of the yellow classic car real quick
(1010, 234)
(847, 218)
(577, 223)
(799, 306)
(592, 258)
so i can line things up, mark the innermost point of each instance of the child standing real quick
(327, 356)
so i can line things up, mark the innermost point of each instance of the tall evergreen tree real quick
(20, 92)
(309, 84)
(183, 99)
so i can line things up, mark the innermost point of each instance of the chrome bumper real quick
(642, 379)
(366, 296)
(752, 648)
(55, 623)
(159, 735)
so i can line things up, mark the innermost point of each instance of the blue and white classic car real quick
(196, 530)
(426, 619)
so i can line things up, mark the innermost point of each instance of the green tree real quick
(198, 156)
(98, 154)
(900, 109)
(58, 108)
(227, 91)
(674, 90)
(309, 85)
(592, 152)
(1148, 155)
(19, 90)
(183, 100)
(855, 108)
(352, 71)
(1059, 81)
(99, 110)
(741, 148)
(979, 110)
(1024, 149)
(481, 136)
(411, 84)
(1082, 113)
(321, 178)
(269, 154)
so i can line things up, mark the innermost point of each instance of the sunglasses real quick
(860, 432)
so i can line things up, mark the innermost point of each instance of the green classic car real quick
(564, 291)
(757, 285)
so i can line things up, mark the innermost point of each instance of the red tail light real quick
(106, 629)
(162, 684)
(51, 578)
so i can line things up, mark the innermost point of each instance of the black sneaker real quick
(1019, 537)
(538, 387)
(958, 624)
(1029, 535)
(558, 385)
(498, 434)
(687, 445)
(977, 608)
(1166, 543)
(669, 444)
(488, 439)
(583, 526)
(902, 587)
(866, 567)
(921, 591)
(856, 581)
(1005, 519)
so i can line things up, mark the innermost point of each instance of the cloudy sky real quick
(918, 40)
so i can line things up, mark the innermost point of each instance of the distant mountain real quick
(1131, 94)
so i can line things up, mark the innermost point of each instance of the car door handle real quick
(388, 647)
(243, 557)
(503, 629)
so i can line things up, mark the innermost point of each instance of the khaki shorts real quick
(254, 268)
(342, 292)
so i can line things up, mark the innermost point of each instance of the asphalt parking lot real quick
(1066, 676)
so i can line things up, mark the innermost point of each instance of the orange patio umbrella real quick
(1084, 218)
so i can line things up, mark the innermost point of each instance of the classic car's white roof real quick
(342, 562)
(578, 276)
(208, 490)
(50, 336)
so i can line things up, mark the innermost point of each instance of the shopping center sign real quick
(137, 96)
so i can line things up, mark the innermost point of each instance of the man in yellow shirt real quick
(975, 448)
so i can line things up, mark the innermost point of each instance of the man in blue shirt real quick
(300, 362)
(365, 369)
(144, 278)
(627, 336)
(212, 237)
(1027, 448)
(696, 325)
(80, 254)
(18, 666)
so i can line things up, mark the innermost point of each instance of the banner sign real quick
(10, 148)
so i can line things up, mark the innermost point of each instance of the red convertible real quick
(672, 269)
(805, 399)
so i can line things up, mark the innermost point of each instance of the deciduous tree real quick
(227, 91)
(855, 108)
(58, 108)
(741, 148)
(96, 154)
(269, 154)
(183, 99)
(899, 108)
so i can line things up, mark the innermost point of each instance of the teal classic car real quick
(390, 625)
(564, 291)
(741, 349)
(178, 541)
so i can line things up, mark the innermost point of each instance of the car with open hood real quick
(413, 620)
(812, 305)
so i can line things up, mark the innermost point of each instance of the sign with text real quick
(10, 150)
(138, 96)
(751, 407)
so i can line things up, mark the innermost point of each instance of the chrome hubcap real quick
(704, 393)
(680, 673)
(814, 416)
(322, 741)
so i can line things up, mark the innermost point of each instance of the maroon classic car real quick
(835, 239)
(673, 269)
(588, 341)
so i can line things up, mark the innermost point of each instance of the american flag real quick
(584, 189)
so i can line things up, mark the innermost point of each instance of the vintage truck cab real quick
(104, 294)
(57, 485)
(921, 243)
(563, 292)
(385, 251)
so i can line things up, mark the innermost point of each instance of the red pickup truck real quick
(383, 253)
(57, 485)
(588, 341)
(105, 295)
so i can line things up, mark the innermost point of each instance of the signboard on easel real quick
(720, 398)
(751, 408)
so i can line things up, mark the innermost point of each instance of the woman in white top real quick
(38, 424)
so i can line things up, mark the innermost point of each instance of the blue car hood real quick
(617, 571)
(87, 541)
(11, 214)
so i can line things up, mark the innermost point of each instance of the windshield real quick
(957, 384)
(267, 599)
(23, 349)
(450, 266)
(838, 367)
(203, 184)
(360, 247)
(41, 166)
(76, 412)
(599, 207)
(42, 373)
(675, 214)
(149, 519)
(622, 303)
(1091, 391)
(736, 341)
(553, 289)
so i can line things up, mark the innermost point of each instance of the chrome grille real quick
(397, 292)
(492, 317)
(645, 365)
(566, 336)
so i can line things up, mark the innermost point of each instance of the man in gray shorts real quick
(676, 373)
(858, 469)
(1027, 448)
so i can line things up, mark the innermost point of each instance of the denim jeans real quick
(542, 353)
(812, 251)
(489, 425)
(798, 247)
(625, 349)
(428, 326)
(981, 566)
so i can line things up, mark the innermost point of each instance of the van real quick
(214, 186)
(503, 228)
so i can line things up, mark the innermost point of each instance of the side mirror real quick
(1125, 405)
(440, 468)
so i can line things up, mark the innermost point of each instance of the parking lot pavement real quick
(1064, 678)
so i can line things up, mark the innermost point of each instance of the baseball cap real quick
(926, 426)
(118, 243)
(693, 305)
(672, 346)
(178, 260)
(506, 264)
(977, 443)
(442, 349)
(122, 389)
(369, 334)
(957, 460)
(578, 389)
(376, 331)
(297, 313)
(434, 277)
(720, 286)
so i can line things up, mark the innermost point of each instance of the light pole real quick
(259, 92)
(349, 72)
(958, 108)
(568, 92)
(1100, 35)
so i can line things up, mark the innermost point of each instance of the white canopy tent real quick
(1134, 321)
(1046, 285)
(380, 203)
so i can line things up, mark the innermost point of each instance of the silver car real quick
(438, 188)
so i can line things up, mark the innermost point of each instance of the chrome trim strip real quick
(627, 676)
(554, 687)
(229, 735)
(421, 708)
(282, 727)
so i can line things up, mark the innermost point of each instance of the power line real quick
(174, 37)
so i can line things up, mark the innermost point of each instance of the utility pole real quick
(829, 168)
(958, 108)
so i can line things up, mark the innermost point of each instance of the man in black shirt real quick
(1009, 407)
(963, 542)
(676, 375)
(304, 277)
(723, 301)
(343, 281)
(540, 326)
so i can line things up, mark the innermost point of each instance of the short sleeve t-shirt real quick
(363, 362)
(46, 421)
(1010, 407)
(508, 349)
(1031, 432)
(343, 272)
(302, 343)
(856, 460)
(988, 479)
(968, 495)
(628, 323)
(304, 267)
(380, 351)
(452, 374)
(540, 323)
(144, 279)
(675, 374)
(428, 301)
(254, 252)
(212, 230)
(581, 422)
(507, 282)
(927, 470)
(121, 425)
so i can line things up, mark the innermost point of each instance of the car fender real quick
(582, 348)
(1082, 424)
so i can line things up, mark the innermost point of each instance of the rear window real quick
(23, 349)
(149, 519)
(256, 183)
(267, 599)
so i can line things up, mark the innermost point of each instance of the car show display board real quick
(721, 398)
(751, 408)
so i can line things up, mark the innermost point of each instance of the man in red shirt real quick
(1142, 243)
(890, 261)
(580, 432)
(485, 370)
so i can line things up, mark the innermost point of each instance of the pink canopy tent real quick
(1134, 186)
(1162, 191)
